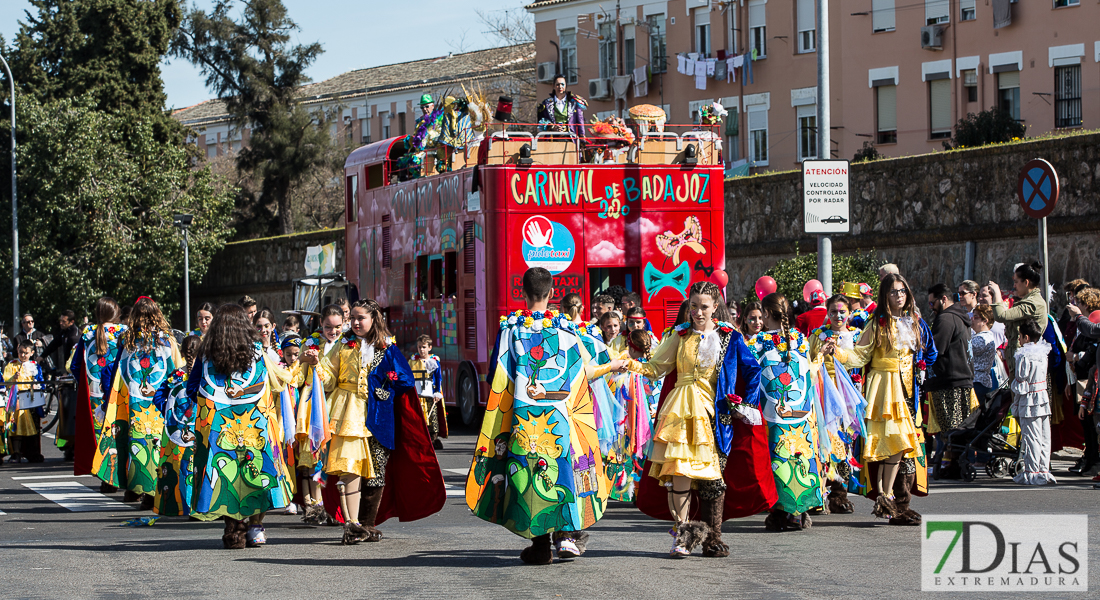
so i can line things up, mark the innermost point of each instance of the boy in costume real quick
(429, 386)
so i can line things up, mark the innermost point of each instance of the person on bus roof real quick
(563, 111)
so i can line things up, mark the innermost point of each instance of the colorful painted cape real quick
(537, 468)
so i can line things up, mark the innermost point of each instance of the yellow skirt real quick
(348, 452)
(26, 424)
(890, 428)
(683, 443)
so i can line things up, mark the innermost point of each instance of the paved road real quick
(50, 551)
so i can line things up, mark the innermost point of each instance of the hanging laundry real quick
(755, 54)
(701, 79)
(690, 68)
(731, 70)
(720, 72)
(701, 67)
(681, 64)
(641, 83)
(710, 67)
(620, 85)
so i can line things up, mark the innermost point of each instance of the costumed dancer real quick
(231, 408)
(429, 389)
(128, 455)
(289, 349)
(789, 404)
(638, 395)
(282, 381)
(203, 316)
(177, 468)
(891, 347)
(843, 464)
(538, 470)
(380, 448)
(97, 348)
(563, 111)
(312, 430)
(610, 328)
(1031, 405)
(709, 434)
(24, 412)
(752, 319)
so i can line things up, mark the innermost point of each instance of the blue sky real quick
(354, 33)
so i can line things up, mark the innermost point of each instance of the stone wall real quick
(263, 268)
(921, 211)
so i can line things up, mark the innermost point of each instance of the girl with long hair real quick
(374, 416)
(889, 347)
(203, 316)
(752, 319)
(133, 417)
(312, 425)
(239, 473)
(788, 406)
(97, 348)
(709, 414)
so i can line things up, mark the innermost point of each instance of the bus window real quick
(437, 277)
(351, 198)
(450, 274)
(422, 277)
(375, 176)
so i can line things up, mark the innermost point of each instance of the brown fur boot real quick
(235, 535)
(368, 512)
(838, 499)
(710, 512)
(903, 487)
(539, 552)
(885, 507)
(691, 534)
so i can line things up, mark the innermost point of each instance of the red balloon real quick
(764, 286)
(1095, 316)
(811, 286)
(720, 278)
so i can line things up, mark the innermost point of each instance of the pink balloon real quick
(764, 286)
(810, 287)
(720, 278)
(1095, 316)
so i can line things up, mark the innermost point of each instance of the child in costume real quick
(429, 388)
(752, 319)
(203, 316)
(380, 448)
(312, 414)
(1031, 405)
(23, 425)
(789, 407)
(289, 350)
(177, 468)
(97, 348)
(231, 408)
(610, 326)
(538, 468)
(129, 453)
(708, 435)
(638, 395)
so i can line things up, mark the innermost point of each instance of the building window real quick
(970, 82)
(351, 198)
(567, 65)
(807, 30)
(937, 11)
(1067, 96)
(366, 130)
(734, 34)
(732, 150)
(608, 63)
(385, 125)
(1008, 93)
(401, 123)
(1065, 3)
(807, 132)
(882, 15)
(702, 30)
(628, 49)
(939, 108)
(657, 52)
(967, 12)
(758, 135)
(758, 28)
(886, 113)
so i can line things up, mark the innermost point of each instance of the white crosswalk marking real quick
(48, 477)
(75, 496)
(462, 472)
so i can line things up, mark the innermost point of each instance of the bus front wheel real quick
(469, 397)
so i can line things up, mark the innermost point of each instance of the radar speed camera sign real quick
(825, 199)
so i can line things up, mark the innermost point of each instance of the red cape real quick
(414, 484)
(748, 474)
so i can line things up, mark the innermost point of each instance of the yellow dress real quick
(344, 374)
(683, 441)
(25, 423)
(888, 387)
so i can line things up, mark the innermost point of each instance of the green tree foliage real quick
(252, 67)
(993, 126)
(97, 192)
(867, 153)
(791, 274)
(109, 50)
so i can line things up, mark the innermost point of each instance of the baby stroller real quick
(979, 440)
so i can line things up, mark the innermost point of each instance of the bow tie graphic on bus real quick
(444, 253)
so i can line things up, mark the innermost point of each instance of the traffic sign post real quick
(1037, 190)
(825, 209)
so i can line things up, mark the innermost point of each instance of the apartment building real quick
(903, 71)
(377, 103)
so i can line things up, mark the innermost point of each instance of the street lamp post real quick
(183, 223)
(14, 211)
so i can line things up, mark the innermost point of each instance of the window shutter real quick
(887, 107)
(758, 118)
(936, 11)
(471, 320)
(882, 15)
(940, 98)
(1008, 79)
(702, 16)
(387, 244)
(468, 247)
(806, 15)
(756, 16)
(732, 122)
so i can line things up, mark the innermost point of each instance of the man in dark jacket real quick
(952, 375)
(67, 336)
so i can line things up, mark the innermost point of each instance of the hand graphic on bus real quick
(535, 233)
